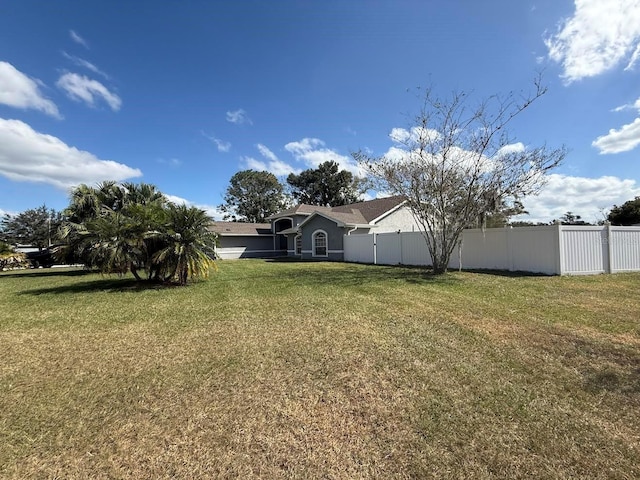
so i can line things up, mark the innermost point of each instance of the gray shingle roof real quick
(371, 209)
(302, 209)
(360, 213)
(353, 217)
(240, 228)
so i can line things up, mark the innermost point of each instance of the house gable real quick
(334, 232)
(344, 220)
(400, 219)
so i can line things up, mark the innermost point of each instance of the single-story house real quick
(313, 232)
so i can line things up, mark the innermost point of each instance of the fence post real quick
(375, 248)
(560, 246)
(608, 267)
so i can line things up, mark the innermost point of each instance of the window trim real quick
(313, 243)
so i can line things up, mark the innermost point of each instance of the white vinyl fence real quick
(552, 250)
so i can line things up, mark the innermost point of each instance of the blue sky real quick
(185, 94)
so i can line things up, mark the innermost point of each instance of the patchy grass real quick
(320, 370)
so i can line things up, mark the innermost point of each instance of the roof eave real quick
(225, 234)
(281, 215)
(359, 225)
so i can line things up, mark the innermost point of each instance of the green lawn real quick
(320, 370)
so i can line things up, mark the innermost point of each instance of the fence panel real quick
(414, 249)
(584, 250)
(359, 248)
(534, 249)
(388, 248)
(625, 249)
(486, 249)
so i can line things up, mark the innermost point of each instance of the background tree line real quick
(253, 196)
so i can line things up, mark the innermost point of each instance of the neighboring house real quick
(312, 232)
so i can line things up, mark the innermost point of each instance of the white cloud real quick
(511, 148)
(311, 151)
(238, 117)
(81, 88)
(19, 91)
(253, 164)
(266, 153)
(416, 134)
(407, 149)
(213, 212)
(221, 144)
(177, 200)
(280, 168)
(274, 164)
(303, 146)
(622, 140)
(81, 62)
(598, 37)
(399, 135)
(30, 156)
(396, 154)
(587, 197)
(621, 108)
(78, 39)
(634, 58)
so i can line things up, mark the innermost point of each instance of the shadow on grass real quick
(110, 285)
(315, 273)
(625, 382)
(48, 272)
(426, 270)
(506, 273)
(604, 366)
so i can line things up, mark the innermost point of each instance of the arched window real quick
(319, 239)
(298, 244)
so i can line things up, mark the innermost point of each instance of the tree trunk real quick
(134, 270)
(182, 280)
(439, 269)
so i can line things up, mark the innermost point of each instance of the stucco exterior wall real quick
(401, 219)
(298, 219)
(334, 238)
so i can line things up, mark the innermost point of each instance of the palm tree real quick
(84, 203)
(119, 228)
(112, 216)
(188, 244)
(114, 243)
(143, 194)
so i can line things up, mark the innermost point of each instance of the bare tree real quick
(457, 163)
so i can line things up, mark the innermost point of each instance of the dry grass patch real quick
(300, 370)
